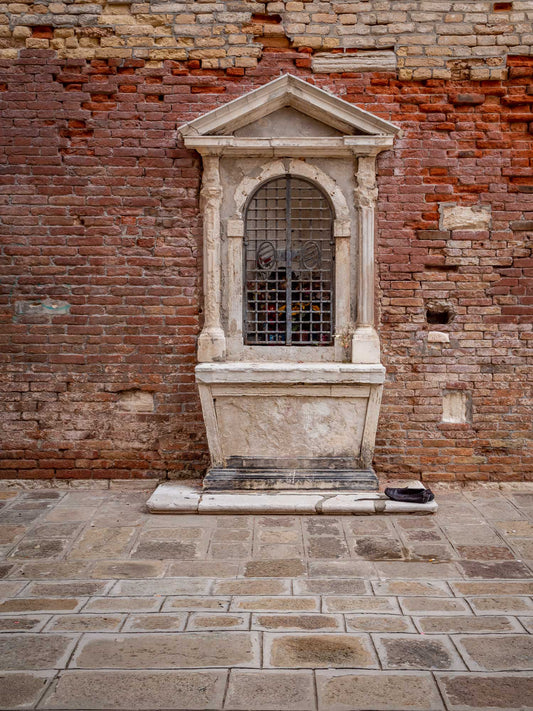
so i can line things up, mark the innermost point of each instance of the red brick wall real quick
(101, 302)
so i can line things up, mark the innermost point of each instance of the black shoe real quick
(413, 496)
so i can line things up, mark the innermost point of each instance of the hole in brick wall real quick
(439, 315)
(266, 19)
(441, 267)
(502, 6)
(42, 32)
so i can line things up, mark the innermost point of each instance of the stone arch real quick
(298, 169)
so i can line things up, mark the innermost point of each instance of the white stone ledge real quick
(179, 498)
(369, 61)
(312, 146)
(286, 373)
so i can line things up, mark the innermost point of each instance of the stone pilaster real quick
(365, 342)
(212, 341)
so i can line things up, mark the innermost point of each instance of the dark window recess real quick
(438, 316)
(288, 265)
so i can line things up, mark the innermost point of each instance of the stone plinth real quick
(290, 425)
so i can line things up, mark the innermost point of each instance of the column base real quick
(211, 345)
(365, 346)
(263, 475)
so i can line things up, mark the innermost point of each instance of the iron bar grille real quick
(289, 265)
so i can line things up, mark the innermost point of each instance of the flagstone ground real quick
(104, 606)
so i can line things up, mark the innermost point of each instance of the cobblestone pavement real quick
(104, 606)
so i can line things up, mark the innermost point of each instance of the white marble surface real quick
(180, 498)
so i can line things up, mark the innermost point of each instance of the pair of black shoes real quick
(412, 496)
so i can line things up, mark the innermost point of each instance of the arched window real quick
(288, 265)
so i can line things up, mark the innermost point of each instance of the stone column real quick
(365, 343)
(212, 341)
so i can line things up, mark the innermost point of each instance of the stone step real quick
(179, 498)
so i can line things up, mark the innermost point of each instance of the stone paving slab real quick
(32, 651)
(460, 625)
(167, 651)
(22, 690)
(120, 607)
(23, 623)
(386, 691)
(66, 588)
(266, 689)
(85, 623)
(433, 606)
(480, 692)
(36, 604)
(297, 622)
(497, 652)
(402, 651)
(167, 586)
(124, 604)
(179, 690)
(318, 651)
(155, 622)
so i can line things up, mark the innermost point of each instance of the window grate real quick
(289, 260)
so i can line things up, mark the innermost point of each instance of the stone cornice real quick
(293, 146)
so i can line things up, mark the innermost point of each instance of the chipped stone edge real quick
(180, 499)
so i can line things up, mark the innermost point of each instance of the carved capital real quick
(211, 187)
(366, 193)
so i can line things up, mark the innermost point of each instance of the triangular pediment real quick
(289, 91)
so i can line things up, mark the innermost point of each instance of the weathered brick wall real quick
(432, 38)
(100, 221)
